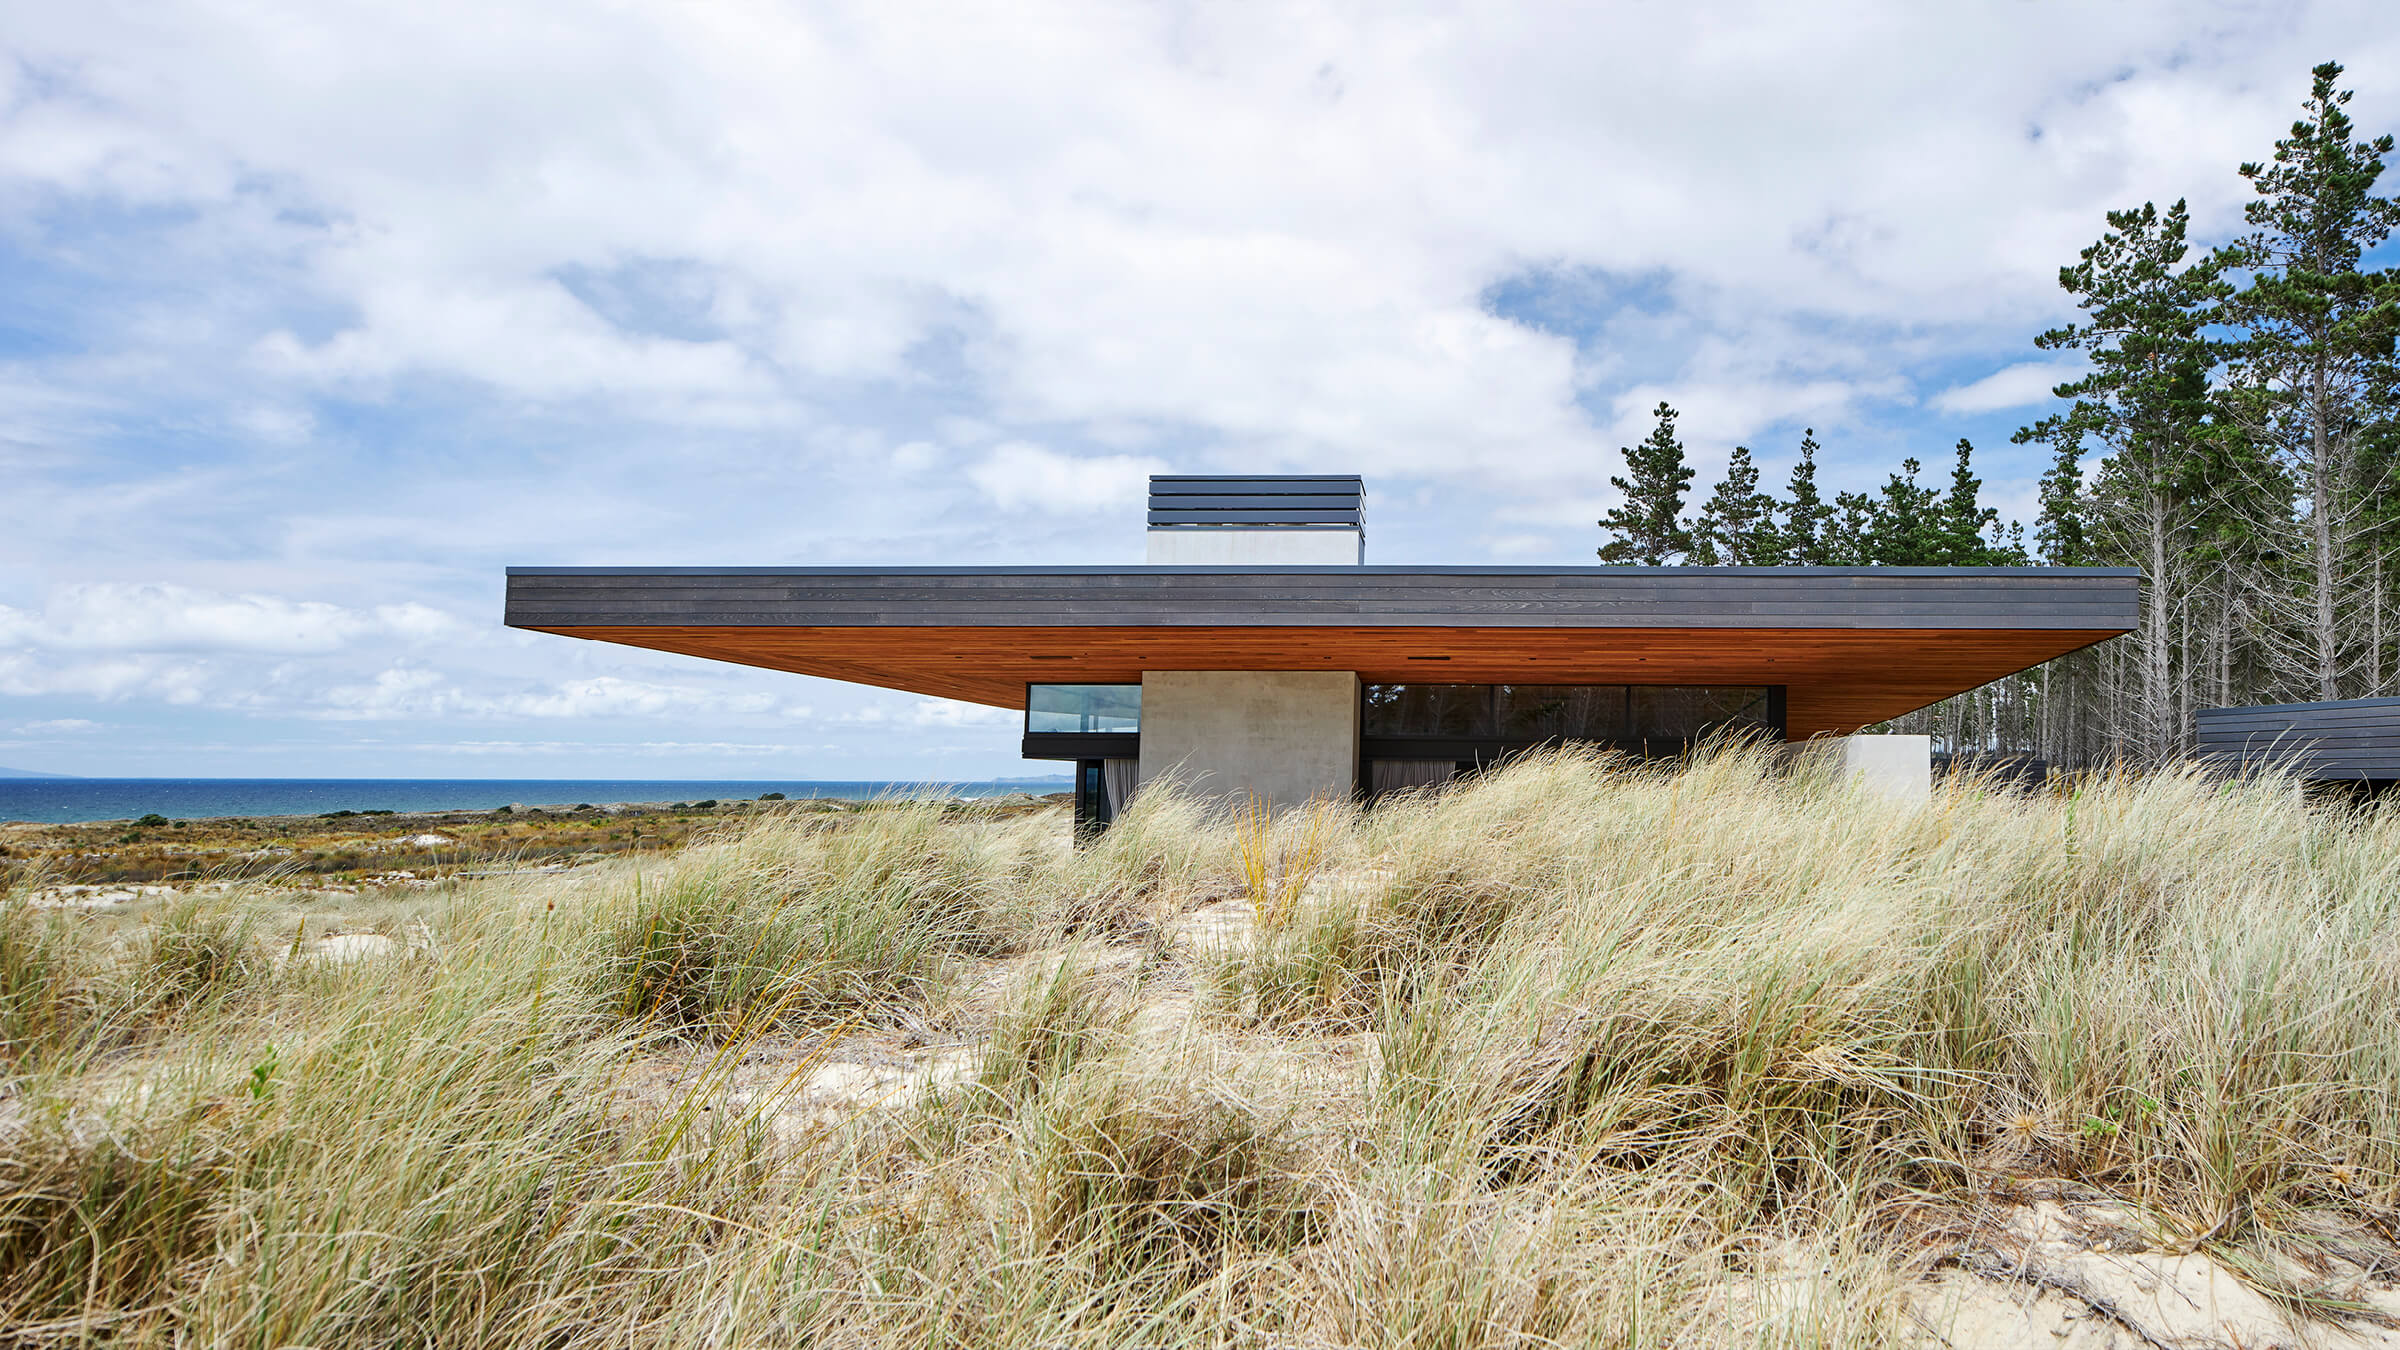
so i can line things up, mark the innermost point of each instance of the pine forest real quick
(2233, 434)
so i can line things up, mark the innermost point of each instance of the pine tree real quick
(2145, 403)
(1849, 539)
(1737, 525)
(1971, 532)
(2061, 531)
(2243, 450)
(1649, 525)
(1806, 517)
(1907, 526)
(2314, 364)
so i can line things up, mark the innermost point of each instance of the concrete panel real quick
(1897, 767)
(1272, 546)
(1287, 736)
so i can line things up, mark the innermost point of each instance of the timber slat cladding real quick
(2348, 739)
(877, 616)
(2061, 598)
(1837, 679)
(1252, 511)
(1429, 592)
(1180, 501)
(1173, 484)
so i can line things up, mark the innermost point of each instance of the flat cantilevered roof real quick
(1851, 646)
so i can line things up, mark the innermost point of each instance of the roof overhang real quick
(1852, 646)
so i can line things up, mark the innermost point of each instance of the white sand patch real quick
(880, 1084)
(95, 897)
(800, 1091)
(1217, 926)
(353, 947)
(2052, 1275)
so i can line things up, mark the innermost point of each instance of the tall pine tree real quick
(2063, 530)
(2144, 403)
(2314, 366)
(1737, 524)
(1807, 520)
(1648, 526)
(1971, 532)
(1906, 526)
(1850, 531)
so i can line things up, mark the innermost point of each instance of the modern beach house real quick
(1255, 651)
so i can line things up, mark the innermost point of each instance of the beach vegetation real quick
(1581, 1051)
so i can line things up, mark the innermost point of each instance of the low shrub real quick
(199, 949)
(1150, 1184)
(1052, 1020)
(791, 924)
(44, 974)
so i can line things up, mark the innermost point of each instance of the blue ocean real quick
(54, 801)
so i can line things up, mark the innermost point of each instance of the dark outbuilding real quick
(2353, 740)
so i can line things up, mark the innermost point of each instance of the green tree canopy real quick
(1737, 524)
(1648, 526)
(1807, 520)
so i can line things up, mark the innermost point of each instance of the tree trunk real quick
(2321, 487)
(2375, 627)
(2156, 695)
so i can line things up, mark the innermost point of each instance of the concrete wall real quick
(1286, 735)
(1268, 546)
(1897, 767)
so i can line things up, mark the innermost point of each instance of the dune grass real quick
(1581, 1052)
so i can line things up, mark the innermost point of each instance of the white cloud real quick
(118, 617)
(276, 425)
(943, 712)
(416, 694)
(2017, 386)
(670, 750)
(1279, 226)
(343, 308)
(58, 726)
(174, 682)
(1021, 476)
(1518, 545)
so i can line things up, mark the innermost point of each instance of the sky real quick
(316, 316)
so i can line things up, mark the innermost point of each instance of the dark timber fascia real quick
(1397, 596)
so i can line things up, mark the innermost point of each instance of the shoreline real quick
(349, 847)
(720, 804)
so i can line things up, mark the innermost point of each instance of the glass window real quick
(1520, 714)
(1680, 712)
(1083, 707)
(1428, 710)
(1541, 712)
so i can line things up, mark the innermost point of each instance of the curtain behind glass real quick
(1120, 775)
(1391, 775)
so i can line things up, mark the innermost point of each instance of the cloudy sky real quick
(314, 316)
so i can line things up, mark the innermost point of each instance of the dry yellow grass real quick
(1578, 1053)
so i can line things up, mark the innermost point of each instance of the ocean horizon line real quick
(74, 800)
(459, 778)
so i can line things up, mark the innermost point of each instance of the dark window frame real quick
(1490, 747)
(1031, 685)
(1077, 745)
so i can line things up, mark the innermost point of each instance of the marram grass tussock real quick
(1580, 1052)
